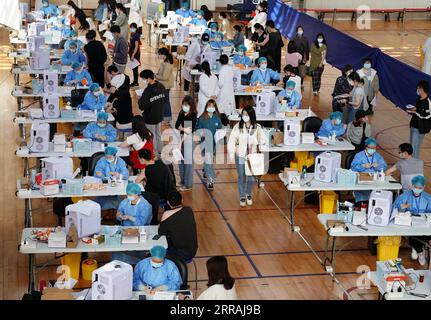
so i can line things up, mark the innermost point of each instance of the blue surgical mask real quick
(367, 65)
(371, 151)
(156, 264)
(186, 108)
(337, 121)
(241, 53)
(101, 125)
(132, 30)
(417, 191)
(211, 109)
(111, 160)
(131, 198)
(263, 67)
(214, 30)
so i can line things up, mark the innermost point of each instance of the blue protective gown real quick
(51, 10)
(199, 22)
(328, 128)
(295, 100)
(185, 14)
(363, 158)
(79, 44)
(244, 60)
(212, 35)
(218, 45)
(93, 128)
(141, 212)
(418, 205)
(264, 77)
(167, 275)
(92, 102)
(68, 57)
(73, 75)
(105, 167)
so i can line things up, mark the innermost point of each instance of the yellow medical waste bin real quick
(87, 267)
(328, 202)
(73, 261)
(387, 248)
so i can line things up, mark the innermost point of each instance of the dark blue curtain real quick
(397, 80)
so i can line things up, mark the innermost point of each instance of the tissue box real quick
(307, 137)
(82, 145)
(57, 239)
(359, 218)
(69, 114)
(50, 187)
(346, 177)
(73, 187)
(112, 237)
(130, 236)
(403, 219)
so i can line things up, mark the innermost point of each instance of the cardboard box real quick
(50, 187)
(57, 239)
(130, 236)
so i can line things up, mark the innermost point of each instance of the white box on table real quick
(86, 217)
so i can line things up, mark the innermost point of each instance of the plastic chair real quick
(311, 124)
(92, 162)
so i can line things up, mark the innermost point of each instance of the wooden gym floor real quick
(266, 258)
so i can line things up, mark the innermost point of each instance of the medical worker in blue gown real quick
(417, 202)
(101, 130)
(94, 99)
(332, 125)
(369, 161)
(73, 54)
(156, 273)
(241, 58)
(76, 76)
(134, 210)
(263, 75)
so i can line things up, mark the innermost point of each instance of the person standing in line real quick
(165, 76)
(135, 52)
(121, 49)
(96, 57)
(420, 124)
(275, 44)
(122, 20)
(303, 48)
(208, 87)
(317, 62)
(371, 81)
(152, 104)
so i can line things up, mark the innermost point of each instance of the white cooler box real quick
(379, 208)
(57, 168)
(85, 216)
(326, 166)
(292, 132)
(265, 103)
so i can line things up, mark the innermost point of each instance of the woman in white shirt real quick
(358, 99)
(221, 285)
(208, 87)
(226, 96)
(245, 139)
(261, 15)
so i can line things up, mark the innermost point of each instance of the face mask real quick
(241, 53)
(73, 51)
(131, 198)
(417, 191)
(418, 93)
(350, 82)
(300, 32)
(320, 40)
(289, 92)
(367, 65)
(156, 264)
(263, 67)
(371, 151)
(199, 17)
(186, 108)
(111, 160)
(246, 118)
(78, 71)
(132, 30)
(145, 82)
(45, 4)
(337, 121)
(101, 125)
(204, 43)
(218, 39)
(214, 30)
(211, 109)
(98, 93)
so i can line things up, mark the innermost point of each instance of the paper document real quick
(132, 64)
(139, 92)
(108, 35)
(102, 27)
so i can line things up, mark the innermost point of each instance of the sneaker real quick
(210, 186)
(249, 201)
(179, 184)
(242, 202)
(315, 93)
(421, 258)
(414, 254)
(204, 175)
(134, 84)
(184, 189)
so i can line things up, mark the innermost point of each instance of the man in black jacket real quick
(152, 104)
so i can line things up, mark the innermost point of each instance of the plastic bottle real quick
(309, 112)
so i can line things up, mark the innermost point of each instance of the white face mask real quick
(246, 118)
(73, 50)
(133, 30)
(300, 32)
(320, 40)
(263, 67)
(111, 160)
(156, 265)
(98, 93)
(78, 71)
(186, 108)
(145, 82)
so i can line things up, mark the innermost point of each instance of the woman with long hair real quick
(165, 76)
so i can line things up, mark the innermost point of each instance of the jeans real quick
(351, 113)
(416, 140)
(243, 180)
(121, 67)
(167, 110)
(186, 166)
(157, 141)
(209, 167)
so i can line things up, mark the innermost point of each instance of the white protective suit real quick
(208, 87)
(226, 96)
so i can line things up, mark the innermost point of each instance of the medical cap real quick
(73, 44)
(200, 13)
(262, 59)
(110, 151)
(290, 84)
(371, 142)
(212, 25)
(72, 33)
(336, 115)
(76, 65)
(44, 1)
(102, 116)
(242, 48)
(133, 188)
(221, 35)
(93, 87)
(184, 4)
(418, 181)
(158, 252)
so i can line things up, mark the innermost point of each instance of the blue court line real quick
(230, 227)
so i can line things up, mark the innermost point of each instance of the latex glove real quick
(119, 216)
(405, 206)
(161, 288)
(375, 164)
(367, 165)
(114, 174)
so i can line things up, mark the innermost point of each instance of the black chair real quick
(312, 124)
(248, 77)
(154, 200)
(92, 161)
(182, 268)
(349, 159)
